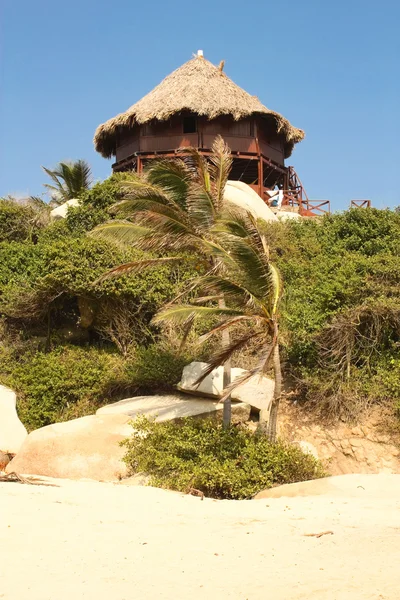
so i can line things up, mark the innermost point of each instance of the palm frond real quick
(166, 225)
(261, 366)
(277, 287)
(230, 289)
(180, 314)
(186, 331)
(120, 232)
(70, 179)
(140, 194)
(227, 325)
(54, 175)
(173, 176)
(82, 175)
(221, 164)
(201, 210)
(239, 235)
(37, 202)
(136, 266)
(198, 167)
(223, 355)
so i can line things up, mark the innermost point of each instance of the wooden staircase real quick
(296, 196)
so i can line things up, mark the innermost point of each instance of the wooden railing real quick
(316, 208)
(360, 203)
(306, 207)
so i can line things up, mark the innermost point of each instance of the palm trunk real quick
(273, 415)
(227, 411)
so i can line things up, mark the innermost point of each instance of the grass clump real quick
(200, 454)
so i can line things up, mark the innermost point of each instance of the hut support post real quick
(260, 177)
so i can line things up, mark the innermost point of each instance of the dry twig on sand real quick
(318, 535)
(15, 478)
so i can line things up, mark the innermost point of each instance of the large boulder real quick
(85, 448)
(60, 212)
(257, 392)
(12, 431)
(243, 196)
(168, 407)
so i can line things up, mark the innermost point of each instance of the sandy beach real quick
(110, 541)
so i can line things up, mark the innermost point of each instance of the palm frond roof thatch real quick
(199, 87)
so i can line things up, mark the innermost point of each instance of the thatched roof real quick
(199, 87)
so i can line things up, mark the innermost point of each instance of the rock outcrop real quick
(257, 392)
(85, 448)
(168, 407)
(60, 212)
(342, 448)
(89, 447)
(12, 431)
(243, 196)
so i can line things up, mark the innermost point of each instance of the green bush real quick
(199, 454)
(51, 385)
(95, 203)
(156, 368)
(61, 269)
(341, 276)
(18, 222)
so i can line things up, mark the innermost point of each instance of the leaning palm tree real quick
(69, 179)
(251, 287)
(172, 207)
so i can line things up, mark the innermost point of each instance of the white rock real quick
(85, 448)
(61, 211)
(212, 385)
(173, 406)
(242, 195)
(257, 392)
(12, 431)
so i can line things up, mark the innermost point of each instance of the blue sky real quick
(331, 68)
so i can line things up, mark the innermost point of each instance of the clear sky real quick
(331, 68)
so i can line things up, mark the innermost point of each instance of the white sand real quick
(103, 541)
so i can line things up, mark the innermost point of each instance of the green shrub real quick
(95, 203)
(51, 385)
(18, 222)
(156, 368)
(341, 276)
(199, 454)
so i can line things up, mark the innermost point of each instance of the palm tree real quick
(251, 286)
(70, 179)
(174, 205)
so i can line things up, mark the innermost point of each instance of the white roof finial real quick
(200, 53)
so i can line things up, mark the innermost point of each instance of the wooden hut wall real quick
(271, 145)
(127, 144)
(247, 136)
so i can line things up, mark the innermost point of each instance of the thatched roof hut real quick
(197, 87)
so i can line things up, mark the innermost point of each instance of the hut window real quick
(147, 129)
(189, 125)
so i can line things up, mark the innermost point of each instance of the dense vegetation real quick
(222, 463)
(69, 343)
(341, 314)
